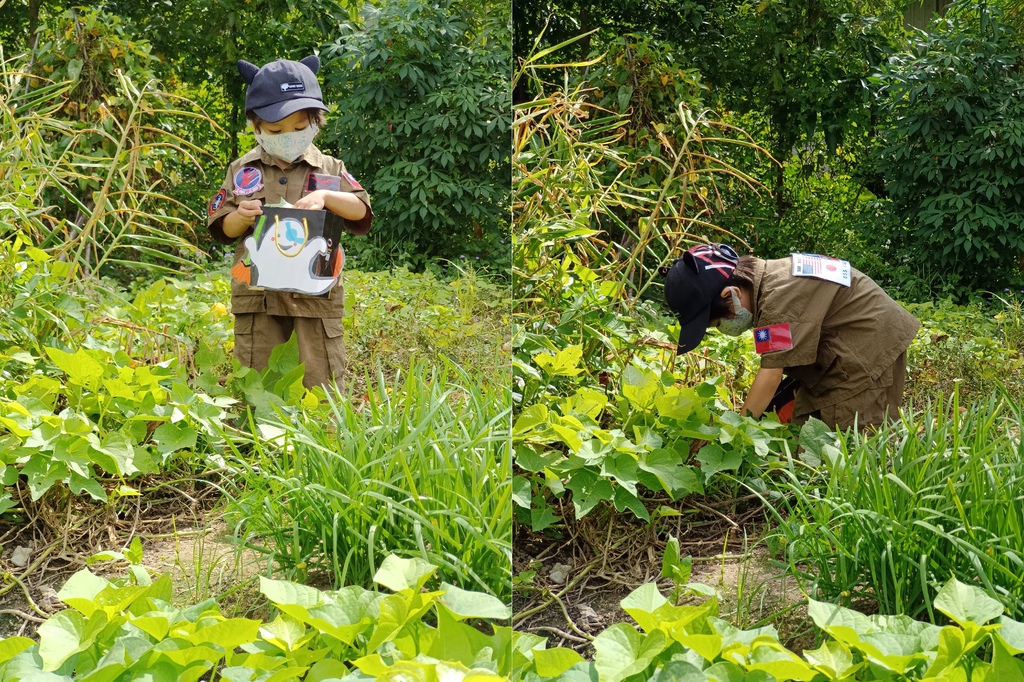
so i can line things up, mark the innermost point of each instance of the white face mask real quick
(287, 146)
(741, 320)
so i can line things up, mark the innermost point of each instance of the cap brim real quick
(692, 332)
(272, 113)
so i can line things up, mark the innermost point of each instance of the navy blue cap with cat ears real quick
(282, 87)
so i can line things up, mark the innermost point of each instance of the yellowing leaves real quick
(82, 369)
(564, 364)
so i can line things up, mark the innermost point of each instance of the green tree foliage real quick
(663, 140)
(88, 47)
(200, 43)
(556, 21)
(824, 202)
(801, 65)
(952, 153)
(798, 73)
(18, 22)
(424, 112)
(601, 154)
(796, 77)
(643, 80)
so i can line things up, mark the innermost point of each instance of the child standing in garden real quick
(817, 320)
(284, 106)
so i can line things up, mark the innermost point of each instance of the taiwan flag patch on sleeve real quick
(772, 338)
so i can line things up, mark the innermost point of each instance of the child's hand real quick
(249, 209)
(314, 201)
(242, 218)
(345, 204)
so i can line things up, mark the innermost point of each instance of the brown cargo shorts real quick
(321, 344)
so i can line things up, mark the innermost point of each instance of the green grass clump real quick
(420, 469)
(896, 513)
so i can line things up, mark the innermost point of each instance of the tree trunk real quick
(33, 18)
(234, 130)
(780, 192)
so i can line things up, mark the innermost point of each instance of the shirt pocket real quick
(828, 370)
(839, 366)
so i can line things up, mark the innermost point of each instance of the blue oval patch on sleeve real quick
(217, 201)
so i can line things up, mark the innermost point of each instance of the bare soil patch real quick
(180, 525)
(571, 578)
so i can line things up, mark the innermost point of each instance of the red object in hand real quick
(786, 412)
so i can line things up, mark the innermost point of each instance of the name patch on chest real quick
(773, 338)
(315, 181)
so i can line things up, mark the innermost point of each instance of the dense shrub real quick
(951, 153)
(93, 192)
(424, 119)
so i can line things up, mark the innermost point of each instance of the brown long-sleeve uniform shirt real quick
(846, 340)
(256, 176)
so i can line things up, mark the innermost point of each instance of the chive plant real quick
(421, 469)
(939, 493)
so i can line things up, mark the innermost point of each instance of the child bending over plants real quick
(816, 320)
(285, 108)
